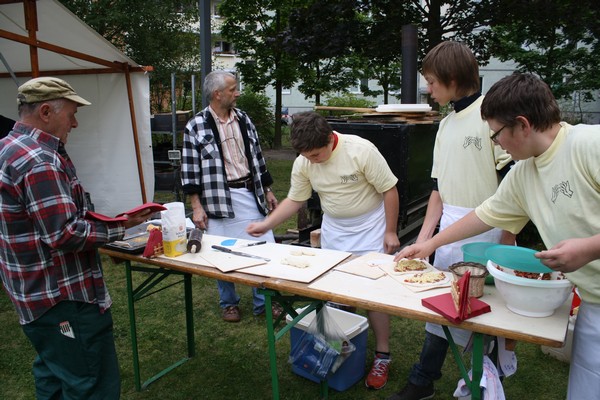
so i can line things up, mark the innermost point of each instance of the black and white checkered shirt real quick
(203, 170)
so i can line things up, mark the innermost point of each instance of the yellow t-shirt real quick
(349, 184)
(560, 192)
(465, 160)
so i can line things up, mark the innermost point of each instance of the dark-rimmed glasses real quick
(494, 137)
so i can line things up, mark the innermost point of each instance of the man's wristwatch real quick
(268, 189)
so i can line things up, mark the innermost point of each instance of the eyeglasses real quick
(494, 136)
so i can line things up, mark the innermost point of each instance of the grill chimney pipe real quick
(409, 64)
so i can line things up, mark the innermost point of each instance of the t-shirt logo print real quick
(563, 188)
(349, 178)
(476, 141)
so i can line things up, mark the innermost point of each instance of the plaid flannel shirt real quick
(203, 170)
(47, 248)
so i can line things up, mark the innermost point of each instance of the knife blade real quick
(238, 253)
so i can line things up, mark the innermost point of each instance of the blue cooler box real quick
(356, 328)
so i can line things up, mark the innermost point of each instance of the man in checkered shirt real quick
(224, 173)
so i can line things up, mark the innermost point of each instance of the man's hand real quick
(271, 201)
(417, 250)
(200, 218)
(136, 219)
(391, 244)
(257, 229)
(568, 255)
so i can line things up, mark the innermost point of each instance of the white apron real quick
(360, 235)
(246, 212)
(584, 375)
(451, 253)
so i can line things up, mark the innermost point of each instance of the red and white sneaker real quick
(378, 375)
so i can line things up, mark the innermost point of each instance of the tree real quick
(255, 27)
(560, 44)
(322, 37)
(155, 33)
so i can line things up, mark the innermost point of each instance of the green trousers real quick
(76, 357)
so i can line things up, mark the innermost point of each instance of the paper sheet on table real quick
(369, 266)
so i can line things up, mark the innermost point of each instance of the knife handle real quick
(221, 248)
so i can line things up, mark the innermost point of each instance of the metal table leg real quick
(157, 275)
(476, 363)
(287, 303)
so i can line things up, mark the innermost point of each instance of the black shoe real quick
(414, 392)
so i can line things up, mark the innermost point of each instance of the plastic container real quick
(356, 328)
(530, 297)
(475, 252)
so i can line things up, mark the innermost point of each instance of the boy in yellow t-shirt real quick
(359, 199)
(467, 169)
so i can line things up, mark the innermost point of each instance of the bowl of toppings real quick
(527, 286)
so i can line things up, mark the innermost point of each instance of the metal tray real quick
(135, 239)
(132, 245)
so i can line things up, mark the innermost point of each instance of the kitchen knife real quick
(238, 253)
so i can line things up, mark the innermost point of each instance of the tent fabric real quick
(103, 145)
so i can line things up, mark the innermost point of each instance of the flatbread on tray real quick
(411, 266)
(421, 281)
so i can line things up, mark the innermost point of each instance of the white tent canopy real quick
(112, 146)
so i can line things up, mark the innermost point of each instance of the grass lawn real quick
(231, 360)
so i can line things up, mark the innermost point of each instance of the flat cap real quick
(48, 88)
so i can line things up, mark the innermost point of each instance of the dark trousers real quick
(76, 357)
(432, 358)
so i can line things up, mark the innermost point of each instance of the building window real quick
(360, 87)
(286, 90)
(215, 8)
(223, 47)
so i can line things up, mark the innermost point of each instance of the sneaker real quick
(378, 375)
(231, 314)
(414, 392)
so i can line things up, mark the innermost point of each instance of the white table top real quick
(389, 293)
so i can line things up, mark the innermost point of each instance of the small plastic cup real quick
(475, 252)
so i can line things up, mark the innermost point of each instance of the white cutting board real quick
(403, 108)
(321, 262)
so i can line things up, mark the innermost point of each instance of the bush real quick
(258, 107)
(346, 100)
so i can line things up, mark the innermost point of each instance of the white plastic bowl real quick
(530, 297)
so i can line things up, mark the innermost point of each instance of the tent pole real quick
(31, 22)
(136, 142)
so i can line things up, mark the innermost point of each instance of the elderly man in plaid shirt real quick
(48, 258)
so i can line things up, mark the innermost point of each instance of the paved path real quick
(280, 154)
